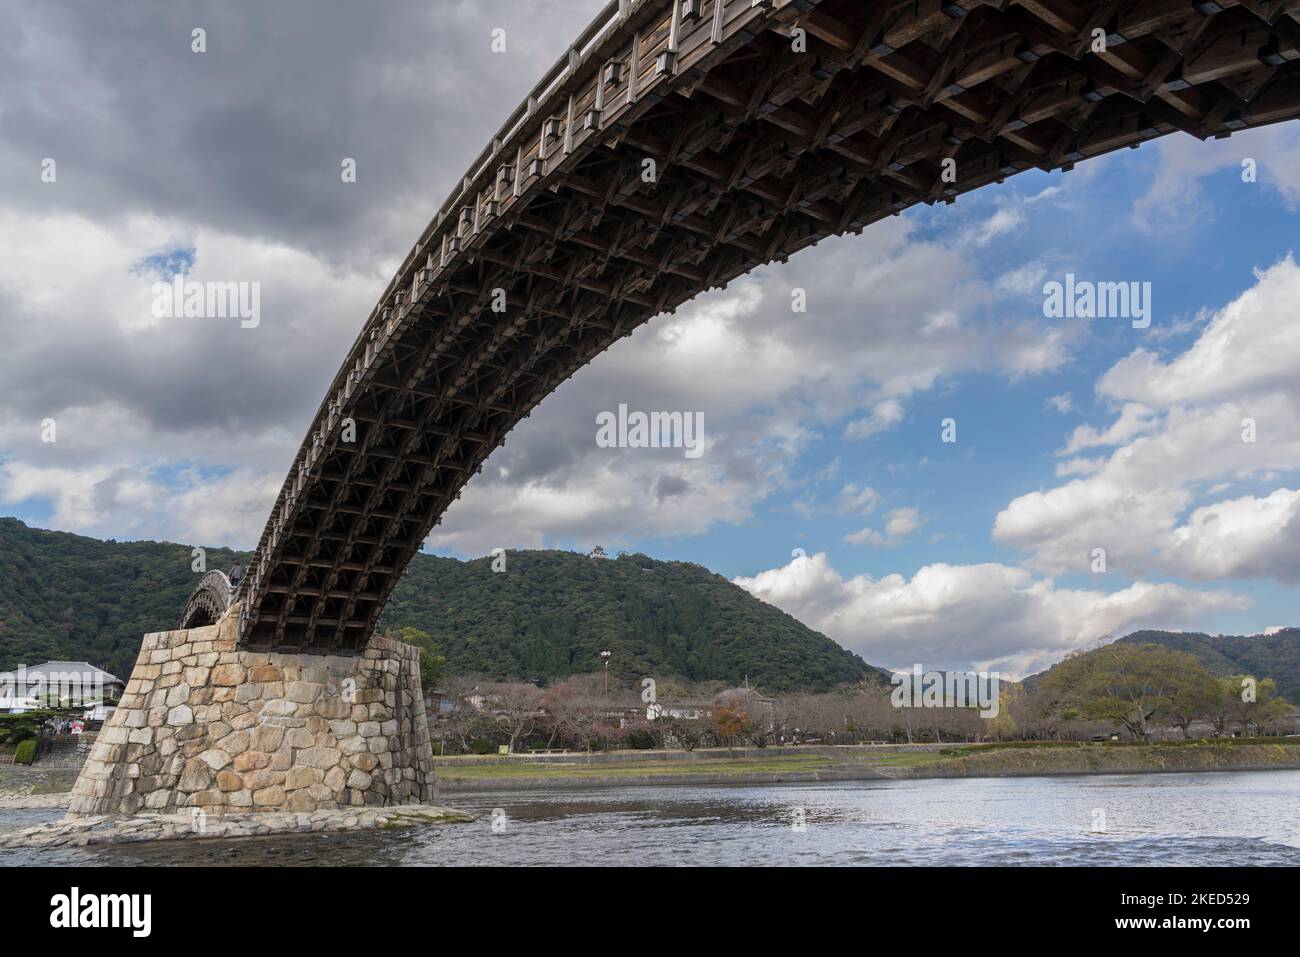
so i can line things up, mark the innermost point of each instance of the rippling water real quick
(1185, 819)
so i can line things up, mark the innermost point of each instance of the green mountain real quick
(1275, 656)
(549, 615)
(69, 598)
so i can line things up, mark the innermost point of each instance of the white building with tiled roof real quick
(70, 682)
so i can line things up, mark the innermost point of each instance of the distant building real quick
(61, 682)
(760, 708)
(688, 709)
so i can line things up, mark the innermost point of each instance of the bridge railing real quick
(605, 22)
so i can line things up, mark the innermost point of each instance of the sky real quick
(825, 487)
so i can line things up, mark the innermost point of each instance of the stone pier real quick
(204, 724)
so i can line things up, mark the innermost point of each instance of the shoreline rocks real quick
(195, 824)
(34, 802)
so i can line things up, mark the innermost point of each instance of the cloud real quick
(885, 415)
(1248, 347)
(249, 137)
(1175, 200)
(1004, 220)
(1226, 409)
(1062, 403)
(985, 616)
(859, 499)
(165, 399)
(1247, 537)
(899, 523)
(1134, 419)
(147, 502)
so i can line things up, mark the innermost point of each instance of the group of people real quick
(64, 725)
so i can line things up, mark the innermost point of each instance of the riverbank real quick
(29, 789)
(23, 788)
(868, 762)
(101, 830)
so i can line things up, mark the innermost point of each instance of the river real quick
(1242, 818)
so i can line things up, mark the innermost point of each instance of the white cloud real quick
(1004, 220)
(1062, 403)
(147, 502)
(959, 616)
(1023, 280)
(1080, 466)
(1180, 427)
(860, 499)
(885, 415)
(1250, 346)
(1175, 199)
(1243, 537)
(1133, 420)
(899, 523)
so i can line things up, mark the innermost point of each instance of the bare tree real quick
(516, 706)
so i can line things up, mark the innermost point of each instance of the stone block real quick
(267, 737)
(255, 780)
(302, 692)
(251, 761)
(231, 673)
(302, 777)
(235, 743)
(215, 758)
(323, 758)
(269, 797)
(195, 776)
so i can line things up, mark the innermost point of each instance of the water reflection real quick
(1175, 819)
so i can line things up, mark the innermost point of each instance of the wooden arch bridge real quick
(770, 124)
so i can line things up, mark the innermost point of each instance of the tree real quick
(1002, 726)
(684, 732)
(431, 663)
(1251, 704)
(461, 723)
(517, 707)
(1195, 697)
(574, 707)
(730, 719)
(1132, 685)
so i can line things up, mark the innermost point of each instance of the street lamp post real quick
(605, 655)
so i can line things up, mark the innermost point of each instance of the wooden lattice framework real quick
(760, 150)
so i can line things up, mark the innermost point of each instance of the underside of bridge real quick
(769, 126)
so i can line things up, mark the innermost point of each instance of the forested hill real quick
(550, 614)
(70, 598)
(1275, 656)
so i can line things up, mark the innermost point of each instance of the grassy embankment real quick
(811, 764)
(873, 763)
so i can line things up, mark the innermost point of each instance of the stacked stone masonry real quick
(203, 724)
